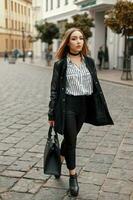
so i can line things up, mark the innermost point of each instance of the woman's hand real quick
(51, 122)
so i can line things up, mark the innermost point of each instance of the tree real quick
(120, 20)
(84, 22)
(46, 33)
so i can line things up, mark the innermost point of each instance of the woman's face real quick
(76, 42)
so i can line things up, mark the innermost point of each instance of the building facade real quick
(37, 15)
(15, 25)
(59, 12)
(103, 36)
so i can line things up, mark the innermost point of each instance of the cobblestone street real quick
(104, 154)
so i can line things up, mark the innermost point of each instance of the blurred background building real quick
(37, 15)
(60, 11)
(15, 25)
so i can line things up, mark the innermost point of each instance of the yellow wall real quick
(15, 14)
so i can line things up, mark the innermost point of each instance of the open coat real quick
(97, 110)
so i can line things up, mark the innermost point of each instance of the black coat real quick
(97, 111)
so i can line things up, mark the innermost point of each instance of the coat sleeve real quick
(53, 92)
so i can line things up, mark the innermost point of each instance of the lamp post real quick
(23, 45)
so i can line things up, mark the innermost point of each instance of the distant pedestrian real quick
(76, 97)
(49, 56)
(6, 56)
(31, 56)
(100, 57)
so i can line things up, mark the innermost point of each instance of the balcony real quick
(94, 4)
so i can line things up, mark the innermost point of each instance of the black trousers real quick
(74, 119)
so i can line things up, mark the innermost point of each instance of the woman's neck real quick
(74, 53)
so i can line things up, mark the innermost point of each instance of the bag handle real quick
(50, 132)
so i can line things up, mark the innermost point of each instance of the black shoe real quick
(73, 185)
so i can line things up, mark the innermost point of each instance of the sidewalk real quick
(111, 75)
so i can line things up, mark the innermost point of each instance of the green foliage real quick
(84, 22)
(47, 31)
(120, 18)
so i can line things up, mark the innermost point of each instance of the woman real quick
(76, 97)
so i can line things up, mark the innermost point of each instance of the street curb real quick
(115, 82)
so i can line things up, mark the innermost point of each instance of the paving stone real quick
(12, 173)
(127, 147)
(49, 194)
(84, 152)
(6, 183)
(36, 173)
(16, 196)
(87, 145)
(88, 192)
(26, 185)
(125, 155)
(123, 163)
(62, 183)
(37, 149)
(7, 160)
(11, 139)
(81, 161)
(109, 144)
(20, 165)
(120, 173)
(117, 186)
(92, 178)
(5, 146)
(106, 150)
(128, 141)
(112, 196)
(102, 168)
(29, 156)
(14, 152)
(2, 167)
(102, 158)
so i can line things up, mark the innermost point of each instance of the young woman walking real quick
(76, 97)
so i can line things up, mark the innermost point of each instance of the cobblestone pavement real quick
(104, 154)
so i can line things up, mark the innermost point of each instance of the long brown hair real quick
(64, 49)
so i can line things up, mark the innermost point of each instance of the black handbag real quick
(52, 162)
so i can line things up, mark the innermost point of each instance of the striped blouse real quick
(79, 80)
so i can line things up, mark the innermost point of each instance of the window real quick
(6, 4)
(15, 25)
(6, 22)
(12, 44)
(25, 10)
(19, 8)
(29, 11)
(19, 26)
(51, 4)
(11, 5)
(19, 44)
(66, 2)
(6, 42)
(58, 3)
(12, 24)
(15, 43)
(22, 10)
(46, 5)
(15, 7)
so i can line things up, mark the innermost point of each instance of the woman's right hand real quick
(51, 122)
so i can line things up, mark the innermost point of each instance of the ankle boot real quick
(73, 185)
